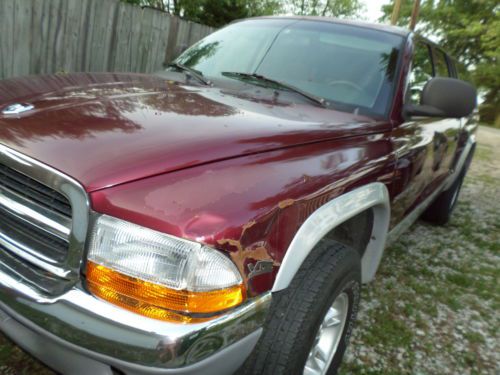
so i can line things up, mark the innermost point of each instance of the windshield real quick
(351, 67)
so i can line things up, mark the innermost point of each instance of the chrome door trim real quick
(17, 108)
(404, 224)
(461, 161)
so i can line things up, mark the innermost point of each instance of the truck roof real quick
(369, 25)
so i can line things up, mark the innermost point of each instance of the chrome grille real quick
(15, 230)
(34, 191)
(43, 223)
(32, 222)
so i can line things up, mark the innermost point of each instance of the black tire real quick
(297, 312)
(439, 212)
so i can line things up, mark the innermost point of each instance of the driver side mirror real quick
(444, 97)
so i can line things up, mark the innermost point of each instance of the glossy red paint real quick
(427, 149)
(108, 129)
(237, 173)
(251, 206)
(121, 135)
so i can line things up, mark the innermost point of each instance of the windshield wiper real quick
(191, 72)
(286, 86)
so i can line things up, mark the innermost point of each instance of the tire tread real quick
(277, 346)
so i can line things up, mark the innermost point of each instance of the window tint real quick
(345, 65)
(421, 72)
(440, 64)
(237, 48)
(353, 68)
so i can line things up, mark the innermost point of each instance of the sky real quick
(372, 9)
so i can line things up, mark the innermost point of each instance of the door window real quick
(421, 72)
(441, 64)
(453, 66)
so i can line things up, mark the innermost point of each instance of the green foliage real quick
(470, 31)
(192, 56)
(157, 4)
(334, 8)
(214, 13)
(217, 13)
(220, 12)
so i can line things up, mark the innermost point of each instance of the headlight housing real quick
(158, 275)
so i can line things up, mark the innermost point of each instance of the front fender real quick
(252, 207)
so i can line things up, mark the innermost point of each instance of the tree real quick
(470, 31)
(334, 8)
(214, 13)
(220, 12)
(157, 4)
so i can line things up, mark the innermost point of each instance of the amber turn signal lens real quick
(157, 301)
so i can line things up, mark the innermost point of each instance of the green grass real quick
(483, 153)
(434, 305)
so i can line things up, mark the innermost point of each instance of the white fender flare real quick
(372, 196)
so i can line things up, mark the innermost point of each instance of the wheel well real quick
(355, 232)
(359, 218)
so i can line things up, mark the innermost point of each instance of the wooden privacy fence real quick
(49, 36)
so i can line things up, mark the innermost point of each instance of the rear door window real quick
(441, 64)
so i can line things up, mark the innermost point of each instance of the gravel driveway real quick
(434, 307)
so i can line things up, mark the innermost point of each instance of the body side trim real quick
(399, 229)
(471, 141)
(327, 217)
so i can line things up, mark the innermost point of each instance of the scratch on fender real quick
(286, 203)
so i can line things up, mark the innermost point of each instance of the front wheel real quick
(310, 323)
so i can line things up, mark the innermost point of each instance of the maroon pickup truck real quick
(221, 215)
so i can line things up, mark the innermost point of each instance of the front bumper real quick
(78, 333)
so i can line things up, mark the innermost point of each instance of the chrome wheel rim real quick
(328, 337)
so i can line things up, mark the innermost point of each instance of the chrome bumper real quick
(95, 334)
(106, 334)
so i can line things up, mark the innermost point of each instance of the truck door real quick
(424, 146)
(449, 129)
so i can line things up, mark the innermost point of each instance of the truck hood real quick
(108, 129)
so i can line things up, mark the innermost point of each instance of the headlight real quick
(158, 275)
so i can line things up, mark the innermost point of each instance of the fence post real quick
(172, 40)
(47, 36)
